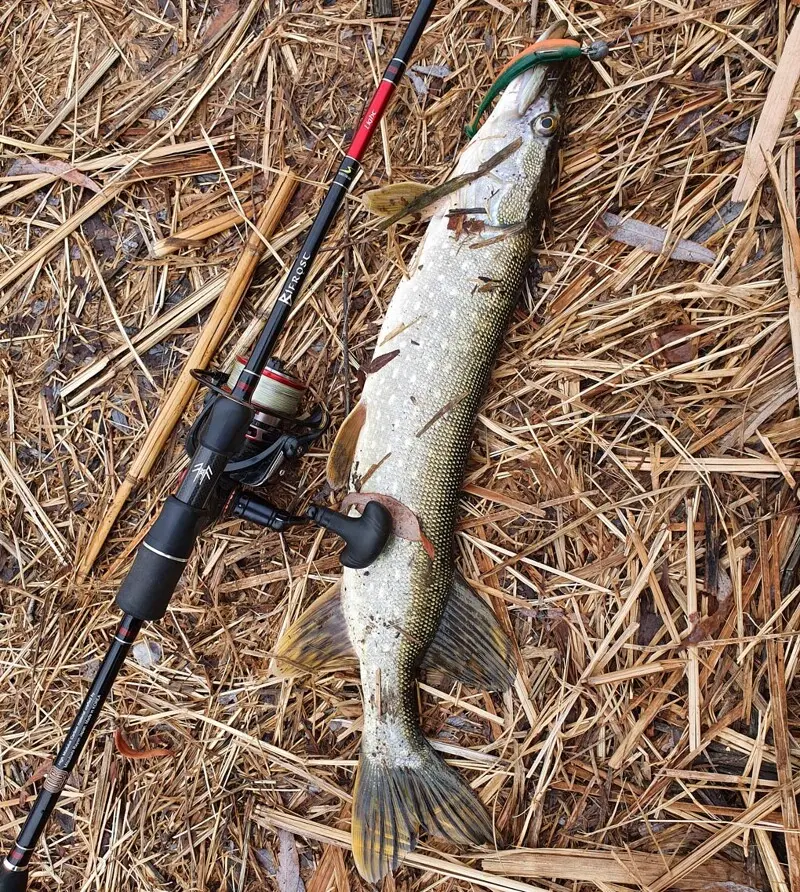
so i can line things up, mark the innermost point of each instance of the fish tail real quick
(393, 802)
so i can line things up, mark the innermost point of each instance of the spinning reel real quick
(277, 432)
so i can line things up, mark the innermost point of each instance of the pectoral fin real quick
(388, 200)
(340, 459)
(318, 639)
(470, 644)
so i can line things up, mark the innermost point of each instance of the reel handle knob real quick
(364, 536)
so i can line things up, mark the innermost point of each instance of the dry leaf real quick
(405, 522)
(707, 627)
(125, 749)
(651, 238)
(220, 21)
(686, 348)
(34, 167)
(378, 362)
(288, 876)
(440, 71)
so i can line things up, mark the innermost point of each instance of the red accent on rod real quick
(370, 120)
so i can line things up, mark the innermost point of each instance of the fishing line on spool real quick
(277, 390)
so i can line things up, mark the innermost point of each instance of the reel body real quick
(277, 432)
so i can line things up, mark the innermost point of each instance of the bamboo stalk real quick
(714, 465)
(202, 162)
(784, 183)
(585, 866)
(205, 347)
(33, 148)
(776, 675)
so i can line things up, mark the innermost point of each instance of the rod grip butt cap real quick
(13, 880)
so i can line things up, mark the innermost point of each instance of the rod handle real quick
(160, 561)
(13, 880)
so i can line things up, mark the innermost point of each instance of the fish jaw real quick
(529, 111)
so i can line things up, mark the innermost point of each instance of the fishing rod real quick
(249, 425)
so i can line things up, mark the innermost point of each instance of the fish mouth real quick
(534, 81)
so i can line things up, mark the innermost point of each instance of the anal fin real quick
(470, 644)
(318, 639)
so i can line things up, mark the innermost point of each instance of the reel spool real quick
(277, 398)
(278, 431)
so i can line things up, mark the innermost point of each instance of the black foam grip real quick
(227, 424)
(13, 880)
(159, 563)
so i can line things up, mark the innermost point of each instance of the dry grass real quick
(658, 474)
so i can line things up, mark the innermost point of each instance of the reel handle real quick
(365, 536)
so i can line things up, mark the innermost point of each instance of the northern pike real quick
(408, 439)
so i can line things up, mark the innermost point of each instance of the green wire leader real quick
(595, 51)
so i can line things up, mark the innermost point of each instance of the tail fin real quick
(393, 803)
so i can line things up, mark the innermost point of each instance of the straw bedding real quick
(629, 508)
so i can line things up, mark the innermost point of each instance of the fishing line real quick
(277, 391)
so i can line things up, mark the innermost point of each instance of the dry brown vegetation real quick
(630, 505)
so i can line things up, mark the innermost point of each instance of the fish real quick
(406, 444)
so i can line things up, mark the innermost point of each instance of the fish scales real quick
(450, 327)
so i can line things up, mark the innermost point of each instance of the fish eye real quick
(546, 124)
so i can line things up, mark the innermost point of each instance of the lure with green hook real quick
(541, 53)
